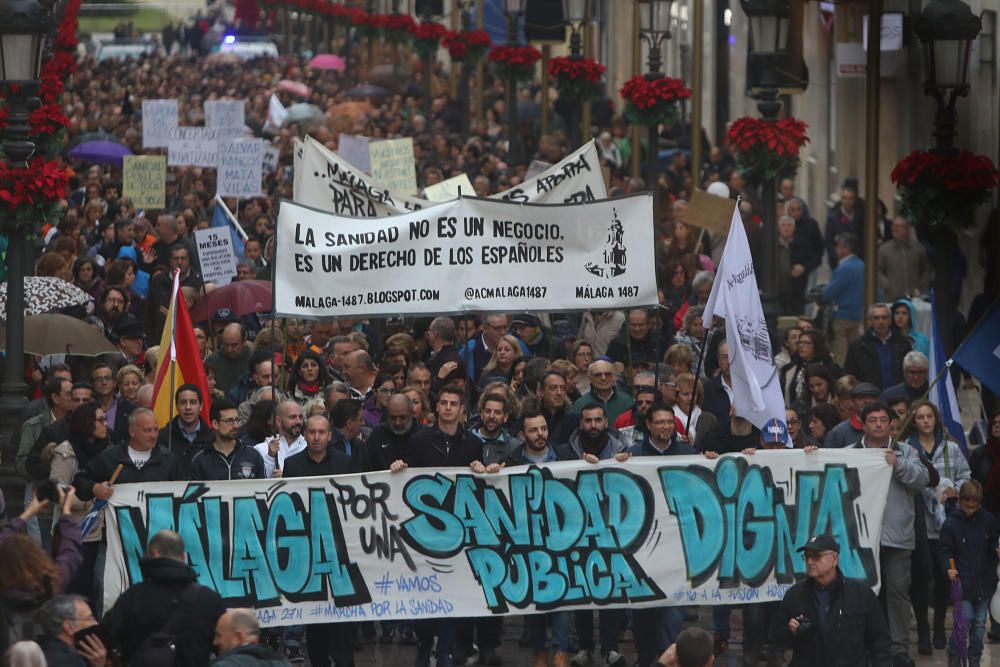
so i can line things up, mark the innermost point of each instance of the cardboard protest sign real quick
(197, 146)
(158, 116)
(710, 212)
(450, 189)
(144, 180)
(354, 149)
(240, 168)
(466, 255)
(392, 164)
(225, 113)
(215, 254)
(446, 543)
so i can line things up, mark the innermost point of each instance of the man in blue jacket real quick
(846, 290)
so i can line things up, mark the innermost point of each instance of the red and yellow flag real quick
(180, 361)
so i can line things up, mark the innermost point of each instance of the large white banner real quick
(448, 543)
(466, 255)
(328, 182)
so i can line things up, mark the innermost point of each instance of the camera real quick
(805, 624)
(47, 490)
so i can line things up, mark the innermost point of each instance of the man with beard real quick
(632, 423)
(391, 440)
(225, 459)
(110, 309)
(494, 412)
(289, 440)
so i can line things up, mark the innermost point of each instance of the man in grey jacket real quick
(898, 540)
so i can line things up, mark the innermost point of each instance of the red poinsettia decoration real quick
(944, 187)
(577, 79)
(427, 38)
(397, 27)
(47, 119)
(517, 62)
(467, 46)
(765, 149)
(653, 101)
(31, 196)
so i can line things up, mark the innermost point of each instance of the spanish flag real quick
(180, 362)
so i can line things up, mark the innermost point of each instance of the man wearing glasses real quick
(225, 458)
(829, 620)
(115, 407)
(914, 384)
(603, 392)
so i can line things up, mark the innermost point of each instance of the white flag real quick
(735, 297)
(276, 114)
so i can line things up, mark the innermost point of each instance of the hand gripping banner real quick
(450, 543)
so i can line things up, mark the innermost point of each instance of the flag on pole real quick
(223, 217)
(942, 393)
(979, 353)
(180, 361)
(735, 297)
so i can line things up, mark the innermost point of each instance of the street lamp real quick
(512, 12)
(947, 29)
(654, 26)
(24, 25)
(576, 14)
(463, 81)
(768, 42)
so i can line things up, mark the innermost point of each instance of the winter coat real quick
(65, 465)
(162, 466)
(971, 541)
(556, 453)
(617, 444)
(250, 655)
(863, 359)
(918, 339)
(856, 633)
(909, 476)
(950, 463)
(383, 446)
(172, 439)
(210, 464)
(433, 448)
(147, 606)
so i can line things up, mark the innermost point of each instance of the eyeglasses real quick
(603, 374)
(103, 378)
(228, 420)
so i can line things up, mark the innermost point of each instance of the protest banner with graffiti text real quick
(466, 255)
(449, 543)
(329, 182)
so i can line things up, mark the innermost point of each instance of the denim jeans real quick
(609, 624)
(975, 614)
(559, 621)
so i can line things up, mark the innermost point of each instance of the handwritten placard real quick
(450, 189)
(144, 180)
(354, 149)
(225, 113)
(270, 159)
(240, 167)
(392, 164)
(158, 117)
(215, 253)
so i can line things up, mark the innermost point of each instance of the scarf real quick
(308, 388)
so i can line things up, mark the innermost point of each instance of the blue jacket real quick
(918, 339)
(972, 542)
(847, 289)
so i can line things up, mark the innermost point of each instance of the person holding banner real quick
(287, 442)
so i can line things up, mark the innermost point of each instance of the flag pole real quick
(274, 322)
(910, 413)
(697, 374)
(173, 366)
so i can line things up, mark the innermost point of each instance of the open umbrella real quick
(45, 294)
(53, 333)
(959, 623)
(328, 61)
(303, 114)
(367, 90)
(294, 88)
(350, 109)
(100, 152)
(241, 298)
(99, 135)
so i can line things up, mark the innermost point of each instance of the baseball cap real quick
(225, 315)
(821, 542)
(525, 319)
(865, 389)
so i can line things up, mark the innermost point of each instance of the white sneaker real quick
(614, 659)
(581, 658)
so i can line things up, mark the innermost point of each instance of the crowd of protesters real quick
(299, 398)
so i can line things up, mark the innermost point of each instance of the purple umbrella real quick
(100, 152)
(959, 623)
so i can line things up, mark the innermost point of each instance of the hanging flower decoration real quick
(467, 46)
(766, 150)
(514, 62)
(427, 38)
(366, 25)
(577, 79)
(944, 188)
(397, 27)
(653, 102)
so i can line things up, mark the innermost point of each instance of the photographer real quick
(829, 620)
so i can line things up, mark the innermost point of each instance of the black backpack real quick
(160, 648)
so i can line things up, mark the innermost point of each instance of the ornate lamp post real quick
(512, 12)
(768, 42)
(24, 25)
(426, 11)
(654, 22)
(576, 13)
(947, 29)
(463, 81)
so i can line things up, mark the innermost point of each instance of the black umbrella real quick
(368, 90)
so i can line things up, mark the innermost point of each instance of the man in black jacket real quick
(237, 640)
(187, 433)
(638, 343)
(393, 438)
(225, 458)
(323, 640)
(877, 355)
(347, 420)
(141, 461)
(167, 594)
(829, 620)
(719, 389)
